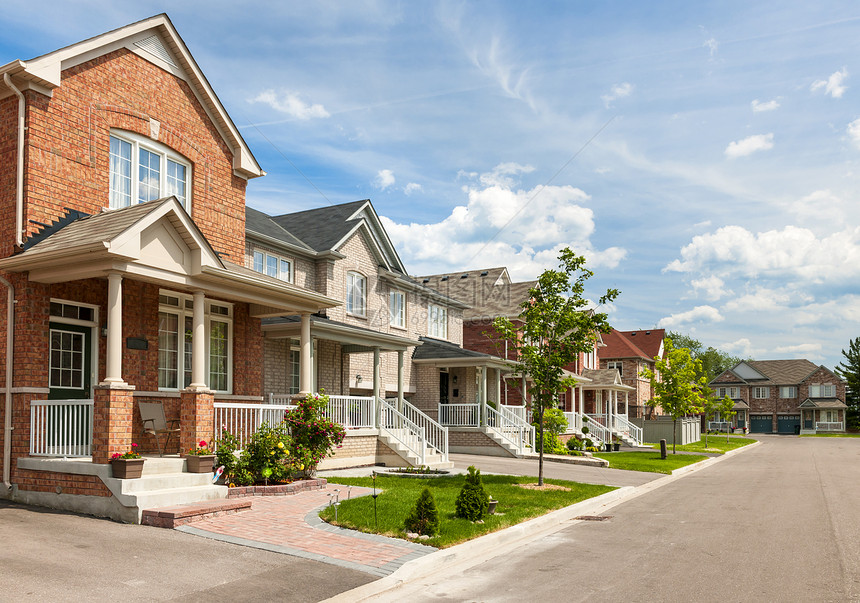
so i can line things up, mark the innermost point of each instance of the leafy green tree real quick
(713, 361)
(555, 325)
(679, 388)
(849, 369)
(472, 501)
(424, 516)
(727, 410)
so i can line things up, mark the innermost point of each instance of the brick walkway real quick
(291, 525)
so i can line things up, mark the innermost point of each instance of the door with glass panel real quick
(65, 428)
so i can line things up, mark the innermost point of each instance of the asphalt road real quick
(778, 522)
(55, 556)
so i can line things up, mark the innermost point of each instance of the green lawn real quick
(649, 461)
(716, 444)
(398, 496)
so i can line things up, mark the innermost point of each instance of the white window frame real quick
(788, 391)
(617, 365)
(214, 312)
(822, 390)
(761, 392)
(165, 154)
(397, 318)
(437, 321)
(260, 263)
(356, 305)
(731, 392)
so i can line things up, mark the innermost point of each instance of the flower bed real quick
(277, 489)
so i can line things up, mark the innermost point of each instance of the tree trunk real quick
(674, 433)
(540, 445)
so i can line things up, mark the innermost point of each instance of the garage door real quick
(761, 423)
(787, 423)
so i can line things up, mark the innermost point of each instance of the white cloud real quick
(712, 287)
(854, 131)
(803, 348)
(621, 90)
(712, 45)
(707, 314)
(412, 187)
(735, 252)
(503, 225)
(384, 179)
(291, 104)
(820, 210)
(749, 145)
(760, 107)
(834, 85)
(742, 347)
(763, 299)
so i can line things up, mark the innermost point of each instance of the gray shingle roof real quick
(478, 289)
(260, 223)
(321, 228)
(434, 349)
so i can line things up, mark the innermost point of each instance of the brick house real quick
(630, 352)
(783, 396)
(491, 293)
(122, 196)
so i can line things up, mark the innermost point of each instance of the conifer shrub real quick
(472, 502)
(424, 517)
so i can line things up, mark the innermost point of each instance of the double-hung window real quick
(356, 294)
(273, 265)
(822, 391)
(142, 170)
(617, 365)
(175, 342)
(437, 321)
(761, 393)
(731, 392)
(397, 309)
(788, 391)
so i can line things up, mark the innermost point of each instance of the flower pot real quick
(202, 463)
(127, 468)
(608, 447)
(616, 446)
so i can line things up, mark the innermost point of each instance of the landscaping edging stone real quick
(316, 483)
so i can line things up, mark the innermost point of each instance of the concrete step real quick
(167, 464)
(165, 481)
(153, 499)
(177, 515)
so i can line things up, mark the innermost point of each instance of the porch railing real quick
(520, 411)
(718, 425)
(829, 426)
(61, 428)
(353, 412)
(621, 425)
(597, 431)
(435, 433)
(574, 422)
(244, 420)
(399, 427)
(460, 415)
(512, 429)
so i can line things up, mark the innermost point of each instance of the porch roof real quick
(436, 352)
(606, 379)
(359, 339)
(824, 403)
(740, 405)
(155, 242)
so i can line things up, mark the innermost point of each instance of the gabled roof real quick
(445, 353)
(326, 229)
(633, 344)
(256, 222)
(772, 372)
(156, 40)
(605, 378)
(822, 403)
(488, 291)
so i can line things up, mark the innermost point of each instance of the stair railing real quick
(511, 428)
(400, 428)
(436, 434)
(623, 426)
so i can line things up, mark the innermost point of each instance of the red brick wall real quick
(67, 145)
(49, 481)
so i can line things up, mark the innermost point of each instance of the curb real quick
(474, 552)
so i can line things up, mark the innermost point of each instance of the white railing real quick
(621, 425)
(435, 433)
(353, 412)
(511, 428)
(574, 422)
(520, 411)
(597, 431)
(61, 428)
(243, 420)
(718, 426)
(829, 426)
(398, 426)
(460, 415)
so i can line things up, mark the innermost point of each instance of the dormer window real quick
(143, 170)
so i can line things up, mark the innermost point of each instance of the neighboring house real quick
(394, 337)
(783, 396)
(491, 293)
(631, 352)
(122, 205)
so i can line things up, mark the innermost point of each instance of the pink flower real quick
(202, 444)
(133, 445)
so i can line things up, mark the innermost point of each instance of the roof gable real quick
(157, 41)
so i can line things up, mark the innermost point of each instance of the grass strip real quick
(717, 444)
(649, 461)
(398, 495)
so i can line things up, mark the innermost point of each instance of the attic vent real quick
(484, 273)
(426, 280)
(633, 333)
(464, 276)
(444, 278)
(647, 332)
(153, 46)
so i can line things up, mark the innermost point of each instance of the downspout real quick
(19, 176)
(7, 413)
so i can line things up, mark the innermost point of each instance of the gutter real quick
(7, 413)
(19, 176)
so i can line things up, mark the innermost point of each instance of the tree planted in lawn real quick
(711, 404)
(727, 410)
(554, 326)
(676, 385)
(424, 517)
(473, 501)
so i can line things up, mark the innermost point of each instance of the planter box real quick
(127, 468)
(203, 463)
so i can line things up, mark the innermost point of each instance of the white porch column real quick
(581, 401)
(627, 404)
(305, 364)
(113, 360)
(482, 393)
(498, 387)
(376, 373)
(400, 378)
(523, 384)
(198, 343)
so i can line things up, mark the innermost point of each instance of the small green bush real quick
(424, 517)
(472, 502)
(574, 444)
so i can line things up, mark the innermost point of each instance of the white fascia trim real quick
(368, 214)
(311, 299)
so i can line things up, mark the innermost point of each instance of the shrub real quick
(265, 458)
(424, 517)
(574, 444)
(472, 502)
(313, 436)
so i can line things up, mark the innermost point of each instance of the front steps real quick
(432, 459)
(503, 443)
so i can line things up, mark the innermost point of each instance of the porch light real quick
(358, 378)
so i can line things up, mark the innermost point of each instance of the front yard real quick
(649, 461)
(398, 495)
(717, 444)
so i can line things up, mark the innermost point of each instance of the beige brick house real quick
(783, 396)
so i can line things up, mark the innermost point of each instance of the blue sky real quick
(703, 157)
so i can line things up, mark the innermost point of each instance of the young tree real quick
(679, 388)
(727, 410)
(555, 326)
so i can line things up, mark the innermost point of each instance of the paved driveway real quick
(778, 522)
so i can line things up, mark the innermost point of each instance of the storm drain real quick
(593, 517)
